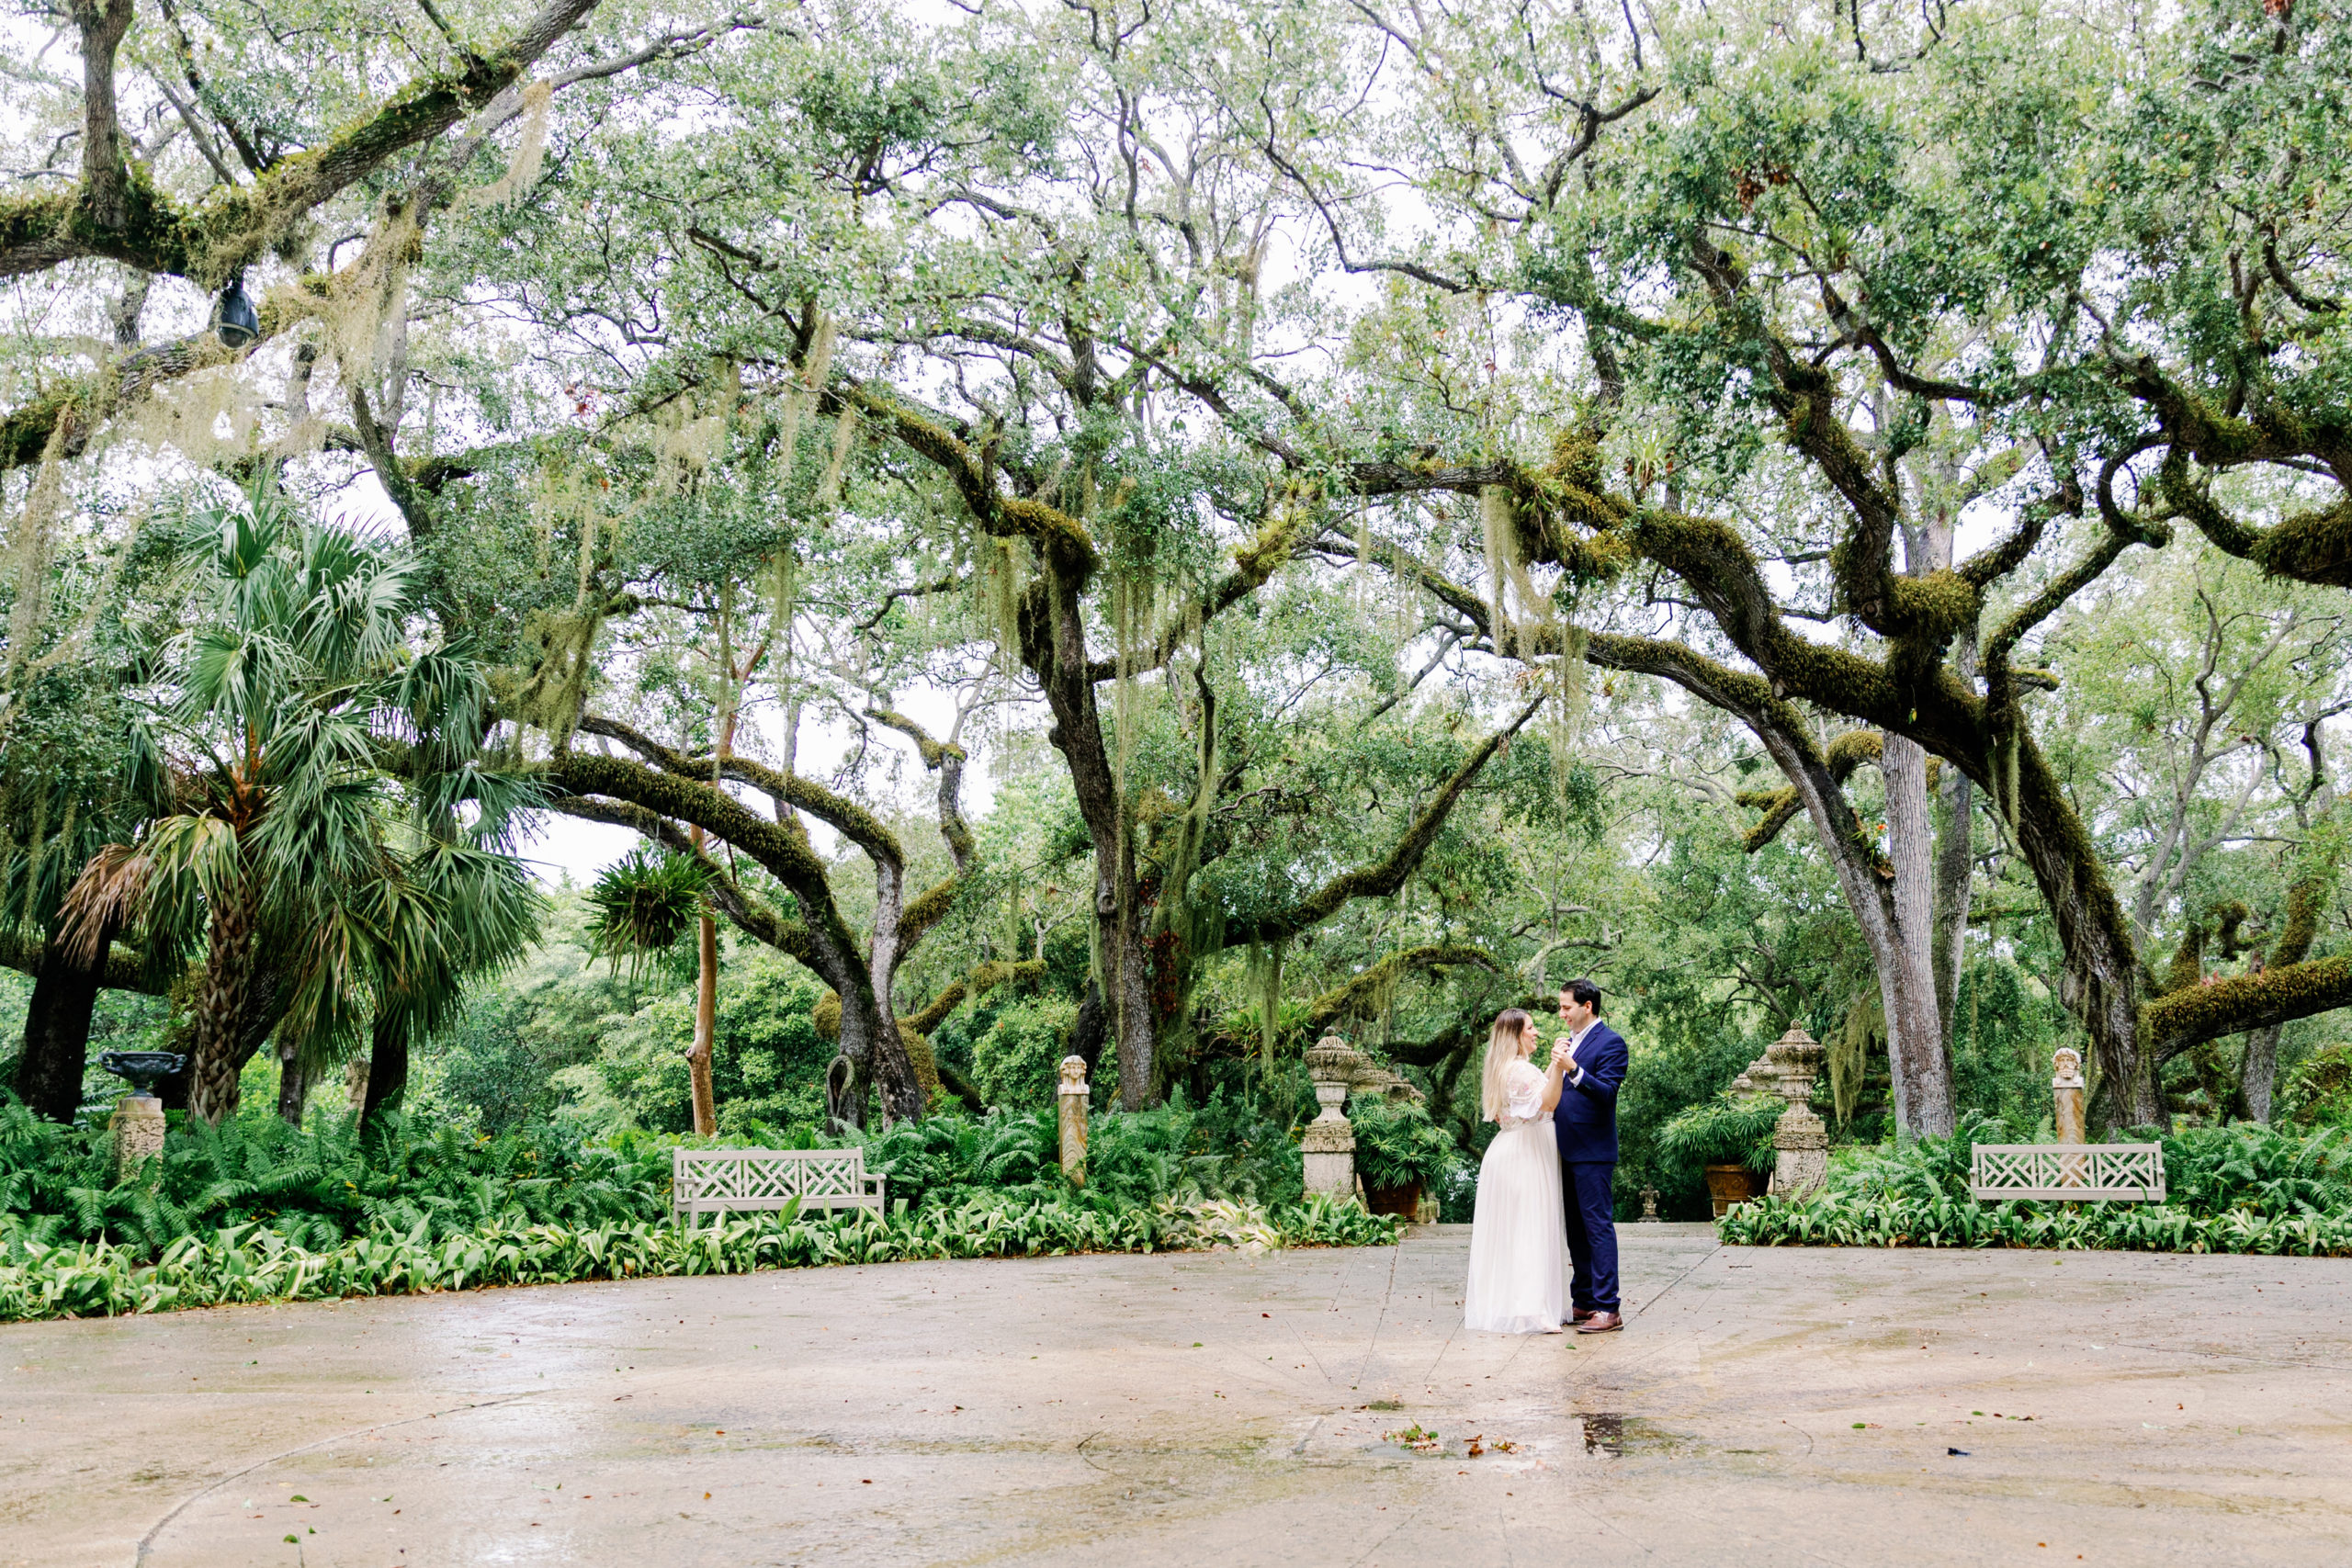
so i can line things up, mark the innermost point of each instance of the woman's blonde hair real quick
(1502, 1050)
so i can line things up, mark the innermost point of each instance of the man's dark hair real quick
(1586, 993)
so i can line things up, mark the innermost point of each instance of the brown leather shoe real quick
(1580, 1314)
(1602, 1322)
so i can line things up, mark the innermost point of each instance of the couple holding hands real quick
(1544, 1244)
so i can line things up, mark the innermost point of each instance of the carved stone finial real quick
(1073, 1074)
(2067, 1067)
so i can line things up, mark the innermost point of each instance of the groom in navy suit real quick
(1586, 1126)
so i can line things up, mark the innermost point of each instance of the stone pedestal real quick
(1073, 1098)
(2067, 1092)
(1329, 1144)
(1801, 1139)
(137, 1129)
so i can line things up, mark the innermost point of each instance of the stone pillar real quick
(1074, 1099)
(137, 1129)
(1329, 1143)
(2066, 1095)
(1801, 1139)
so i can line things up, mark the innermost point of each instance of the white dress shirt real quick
(1576, 1073)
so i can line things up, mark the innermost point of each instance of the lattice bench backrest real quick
(2087, 1173)
(710, 1182)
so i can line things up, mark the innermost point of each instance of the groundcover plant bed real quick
(255, 1211)
(246, 1263)
(2237, 1189)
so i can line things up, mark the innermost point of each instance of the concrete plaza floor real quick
(1764, 1407)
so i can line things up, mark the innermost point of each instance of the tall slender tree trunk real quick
(386, 1066)
(902, 1094)
(1955, 862)
(1126, 984)
(221, 1006)
(1915, 1031)
(705, 1026)
(57, 1030)
(293, 1086)
(1053, 639)
(2258, 1072)
(1955, 856)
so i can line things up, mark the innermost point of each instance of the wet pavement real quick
(1764, 1407)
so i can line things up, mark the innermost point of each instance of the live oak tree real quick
(1851, 236)
(1031, 358)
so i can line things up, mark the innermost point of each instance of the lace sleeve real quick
(1523, 1091)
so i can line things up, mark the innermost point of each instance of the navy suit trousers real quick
(1592, 1215)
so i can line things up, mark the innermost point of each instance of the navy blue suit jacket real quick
(1585, 1123)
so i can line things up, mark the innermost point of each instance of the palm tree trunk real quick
(220, 1011)
(706, 1028)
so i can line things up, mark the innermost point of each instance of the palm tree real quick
(339, 846)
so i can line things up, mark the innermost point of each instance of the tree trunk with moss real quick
(698, 1055)
(1955, 864)
(1053, 639)
(1916, 1035)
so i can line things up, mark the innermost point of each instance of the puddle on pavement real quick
(1614, 1434)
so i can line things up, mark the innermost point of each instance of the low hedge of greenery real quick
(257, 1211)
(254, 1263)
(2235, 1188)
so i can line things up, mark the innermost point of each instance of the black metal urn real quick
(145, 1069)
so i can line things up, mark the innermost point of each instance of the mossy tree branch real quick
(1388, 874)
(115, 209)
(1361, 991)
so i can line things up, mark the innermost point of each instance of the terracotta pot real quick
(1730, 1184)
(1399, 1200)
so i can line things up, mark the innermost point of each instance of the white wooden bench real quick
(722, 1181)
(2082, 1173)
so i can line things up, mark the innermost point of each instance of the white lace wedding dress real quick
(1519, 1248)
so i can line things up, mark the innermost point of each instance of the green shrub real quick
(1017, 1061)
(1727, 1130)
(1219, 1150)
(316, 1187)
(2318, 1093)
(1399, 1145)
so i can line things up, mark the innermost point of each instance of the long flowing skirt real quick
(1519, 1247)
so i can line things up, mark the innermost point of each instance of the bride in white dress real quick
(1519, 1248)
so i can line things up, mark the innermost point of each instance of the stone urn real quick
(1329, 1144)
(1800, 1141)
